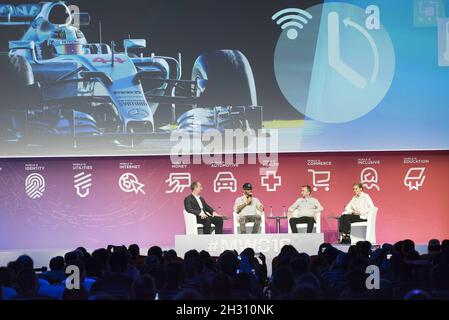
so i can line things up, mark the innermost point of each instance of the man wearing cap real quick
(249, 209)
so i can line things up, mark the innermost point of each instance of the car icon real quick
(225, 181)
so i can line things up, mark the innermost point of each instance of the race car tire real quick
(16, 78)
(230, 80)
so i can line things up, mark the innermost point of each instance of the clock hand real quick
(333, 38)
(334, 59)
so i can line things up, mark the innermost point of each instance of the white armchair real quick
(249, 225)
(361, 231)
(302, 227)
(192, 226)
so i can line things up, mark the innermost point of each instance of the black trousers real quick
(309, 220)
(344, 225)
(206, 222)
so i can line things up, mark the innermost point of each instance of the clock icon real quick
(334, 57)
(336, 70)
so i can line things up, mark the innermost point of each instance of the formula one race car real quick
(56, 84)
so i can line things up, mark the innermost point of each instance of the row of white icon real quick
(413, 180)
(35, 184)
(179, 181)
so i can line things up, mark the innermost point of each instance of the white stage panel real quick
(269, 244)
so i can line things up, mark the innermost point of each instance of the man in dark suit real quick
(205, 214)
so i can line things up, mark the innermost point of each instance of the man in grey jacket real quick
(249, 209)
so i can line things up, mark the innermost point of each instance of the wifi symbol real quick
(293, 19)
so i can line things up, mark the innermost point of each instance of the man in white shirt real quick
(205, 214)
(355, 211)
(304, 210)
(249, 209)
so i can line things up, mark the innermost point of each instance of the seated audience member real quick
(28, 286)
(157, 252)
(194, 267)
(174, 277)
(259, 267)
(407, 246)
(117, 283)
(143, 288)
(6, 283)
(172, 256)
(72, 256)
(24, 262)
(103, 256)
(445, 245)
(84, 253)
(136, 259)
(56, 290)
(299, 266)
(57, 271)
(94, 268)
(433, 248)
(228, 263)
(356, 280)
(282, 284)
(440, 281)
(156, 270)
(331, 274)
(221, 287)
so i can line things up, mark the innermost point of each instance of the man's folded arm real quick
(318, 205)
(294, 206)
(348, 208)
(238, 205)
(207, 207)
(370, 207)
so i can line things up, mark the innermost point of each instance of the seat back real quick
(366, 230)
(190, 223)
(371, 226)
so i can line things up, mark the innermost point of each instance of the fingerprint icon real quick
(35, 185)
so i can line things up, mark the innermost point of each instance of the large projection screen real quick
(129, 77)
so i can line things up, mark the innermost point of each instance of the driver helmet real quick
(67, 40)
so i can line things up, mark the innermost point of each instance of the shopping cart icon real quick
(320, 179)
